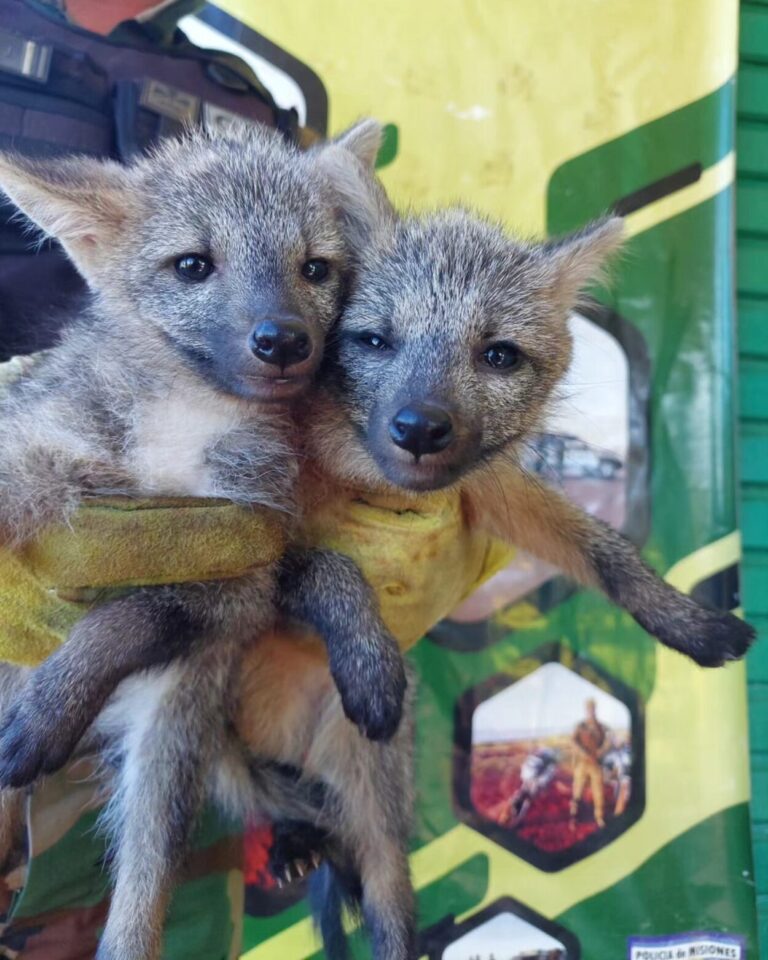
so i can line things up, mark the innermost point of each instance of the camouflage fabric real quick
(55, 894)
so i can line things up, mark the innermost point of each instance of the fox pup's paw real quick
(371, 682)
(297, 849)
(35, 739)
(709, 637)
(718, 638)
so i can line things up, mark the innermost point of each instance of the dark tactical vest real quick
(67, 90)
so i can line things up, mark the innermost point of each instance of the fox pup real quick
(444, 360)
(218, 266)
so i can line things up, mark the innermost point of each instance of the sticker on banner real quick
(688, 946)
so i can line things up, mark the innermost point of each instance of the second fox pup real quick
(440, 373)
(444, 361)
(218, 266)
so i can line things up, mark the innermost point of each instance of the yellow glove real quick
(114, 543)
(418, 554)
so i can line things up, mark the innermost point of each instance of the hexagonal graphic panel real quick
(593, 449)
(550, 765)
(508, 934)
(506, 930)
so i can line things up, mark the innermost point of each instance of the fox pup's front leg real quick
(538, 519)
(154, 626)
(324, 589)
(149, 628)
(328, 591)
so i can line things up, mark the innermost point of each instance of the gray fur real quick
(167, 751)
(439, 290)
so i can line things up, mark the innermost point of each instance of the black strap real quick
(71, 75)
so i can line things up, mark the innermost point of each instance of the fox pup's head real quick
(452, 342)
(234, 248)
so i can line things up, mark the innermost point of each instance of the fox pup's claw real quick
(296, 851)
(372, 693)
(297, 870)
(32, 743)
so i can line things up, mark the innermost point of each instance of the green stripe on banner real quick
(681, 887)
(700, 133)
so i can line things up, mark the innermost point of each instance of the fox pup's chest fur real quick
(173, 435)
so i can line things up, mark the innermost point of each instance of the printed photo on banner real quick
(551, 763)
(505, 930)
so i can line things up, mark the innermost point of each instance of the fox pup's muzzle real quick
(281, 341)
(422, 428)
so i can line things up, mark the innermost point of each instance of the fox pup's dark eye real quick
(315, 270)
(373, 341)
(193, 267)
(503, 355)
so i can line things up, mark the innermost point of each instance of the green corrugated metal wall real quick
(752, 269)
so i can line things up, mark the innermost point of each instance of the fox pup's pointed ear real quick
(347, 164)
(363, 139)
(80, 201)
(573, 261)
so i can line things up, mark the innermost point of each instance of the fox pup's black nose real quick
(283, 341)
(422, 428)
